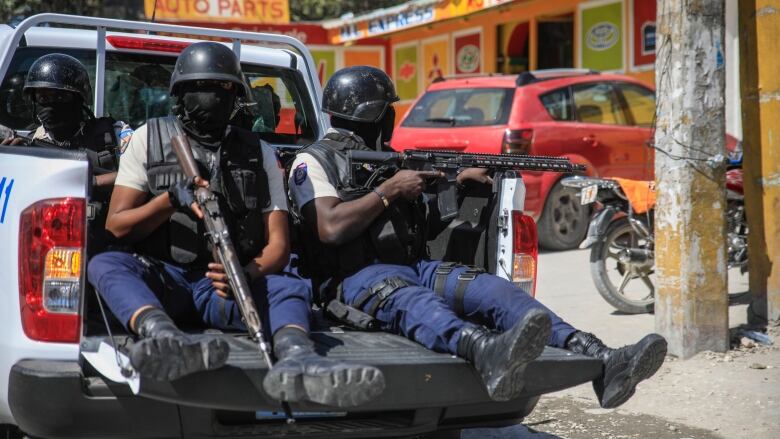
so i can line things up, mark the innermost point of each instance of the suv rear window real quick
(137, 89)
(462, 108)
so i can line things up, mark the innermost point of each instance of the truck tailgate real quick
(416, 377)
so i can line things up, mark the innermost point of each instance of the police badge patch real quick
(125, 134)
(299, 174)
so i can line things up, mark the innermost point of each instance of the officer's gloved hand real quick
(182, 194)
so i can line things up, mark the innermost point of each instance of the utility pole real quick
(691, 304)
(759, 29)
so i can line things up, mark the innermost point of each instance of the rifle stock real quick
(181, 146)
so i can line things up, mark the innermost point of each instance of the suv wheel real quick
(564, 221)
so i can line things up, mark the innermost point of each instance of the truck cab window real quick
(136, 89)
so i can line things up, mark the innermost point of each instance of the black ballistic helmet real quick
(208, 60)
(60, 72)
(360, 94)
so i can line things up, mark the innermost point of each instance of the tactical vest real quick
(237, 177)
(398, 236)
(99, 141)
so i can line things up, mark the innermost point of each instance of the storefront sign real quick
(643, 32)
(325, 60)
(306, 33)
(364, 56)
(468, 53)
(435, 59)
(405, 71)
(234, 11)
(601, 24)
(401, 20)
(409, 15)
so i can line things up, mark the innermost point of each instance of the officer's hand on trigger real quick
(479, 175)
(182, 194)
(219, 279)
(408, 184)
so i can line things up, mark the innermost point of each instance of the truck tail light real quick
(51, 266)
(525, 252)
(151, 44)
(517, 141)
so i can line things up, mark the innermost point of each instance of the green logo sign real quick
(602, 36)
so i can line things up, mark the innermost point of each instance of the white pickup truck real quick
(50, 388)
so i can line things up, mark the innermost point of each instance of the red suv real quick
(600, 120)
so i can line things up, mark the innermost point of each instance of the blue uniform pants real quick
(127, 284)
(418, 313)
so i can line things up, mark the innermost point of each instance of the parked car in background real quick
(603, 121)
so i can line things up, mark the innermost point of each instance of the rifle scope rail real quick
(518, 161)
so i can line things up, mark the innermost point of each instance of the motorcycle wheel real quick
(629, 287)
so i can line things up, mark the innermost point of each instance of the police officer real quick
(58, 87)
(379, 262)
(173, 275)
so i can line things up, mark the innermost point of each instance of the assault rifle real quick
(225, 254)
(382, 163)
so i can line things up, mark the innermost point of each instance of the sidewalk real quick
(731, 395)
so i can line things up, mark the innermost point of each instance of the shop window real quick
(598, 103)
(555, 42)
(512, 48)
(641, 103)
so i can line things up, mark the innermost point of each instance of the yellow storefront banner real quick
(231, 11)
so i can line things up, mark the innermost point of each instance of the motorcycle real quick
(620, 236)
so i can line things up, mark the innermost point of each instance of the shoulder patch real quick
(300, 173)
(125, 134)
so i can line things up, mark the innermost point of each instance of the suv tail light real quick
(524, 252)
(151, 44)
(51, 246)
(517, 141)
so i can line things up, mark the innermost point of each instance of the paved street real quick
(733, 395)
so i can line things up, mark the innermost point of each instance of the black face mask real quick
(387, 124)
(375, 134)
(206, 112)
(61, 120)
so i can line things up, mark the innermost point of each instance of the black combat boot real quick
(302, 374)
(501, 358)
(624, 368)
(165, 353)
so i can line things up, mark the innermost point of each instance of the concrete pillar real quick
(691, 308)
(759, 22)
